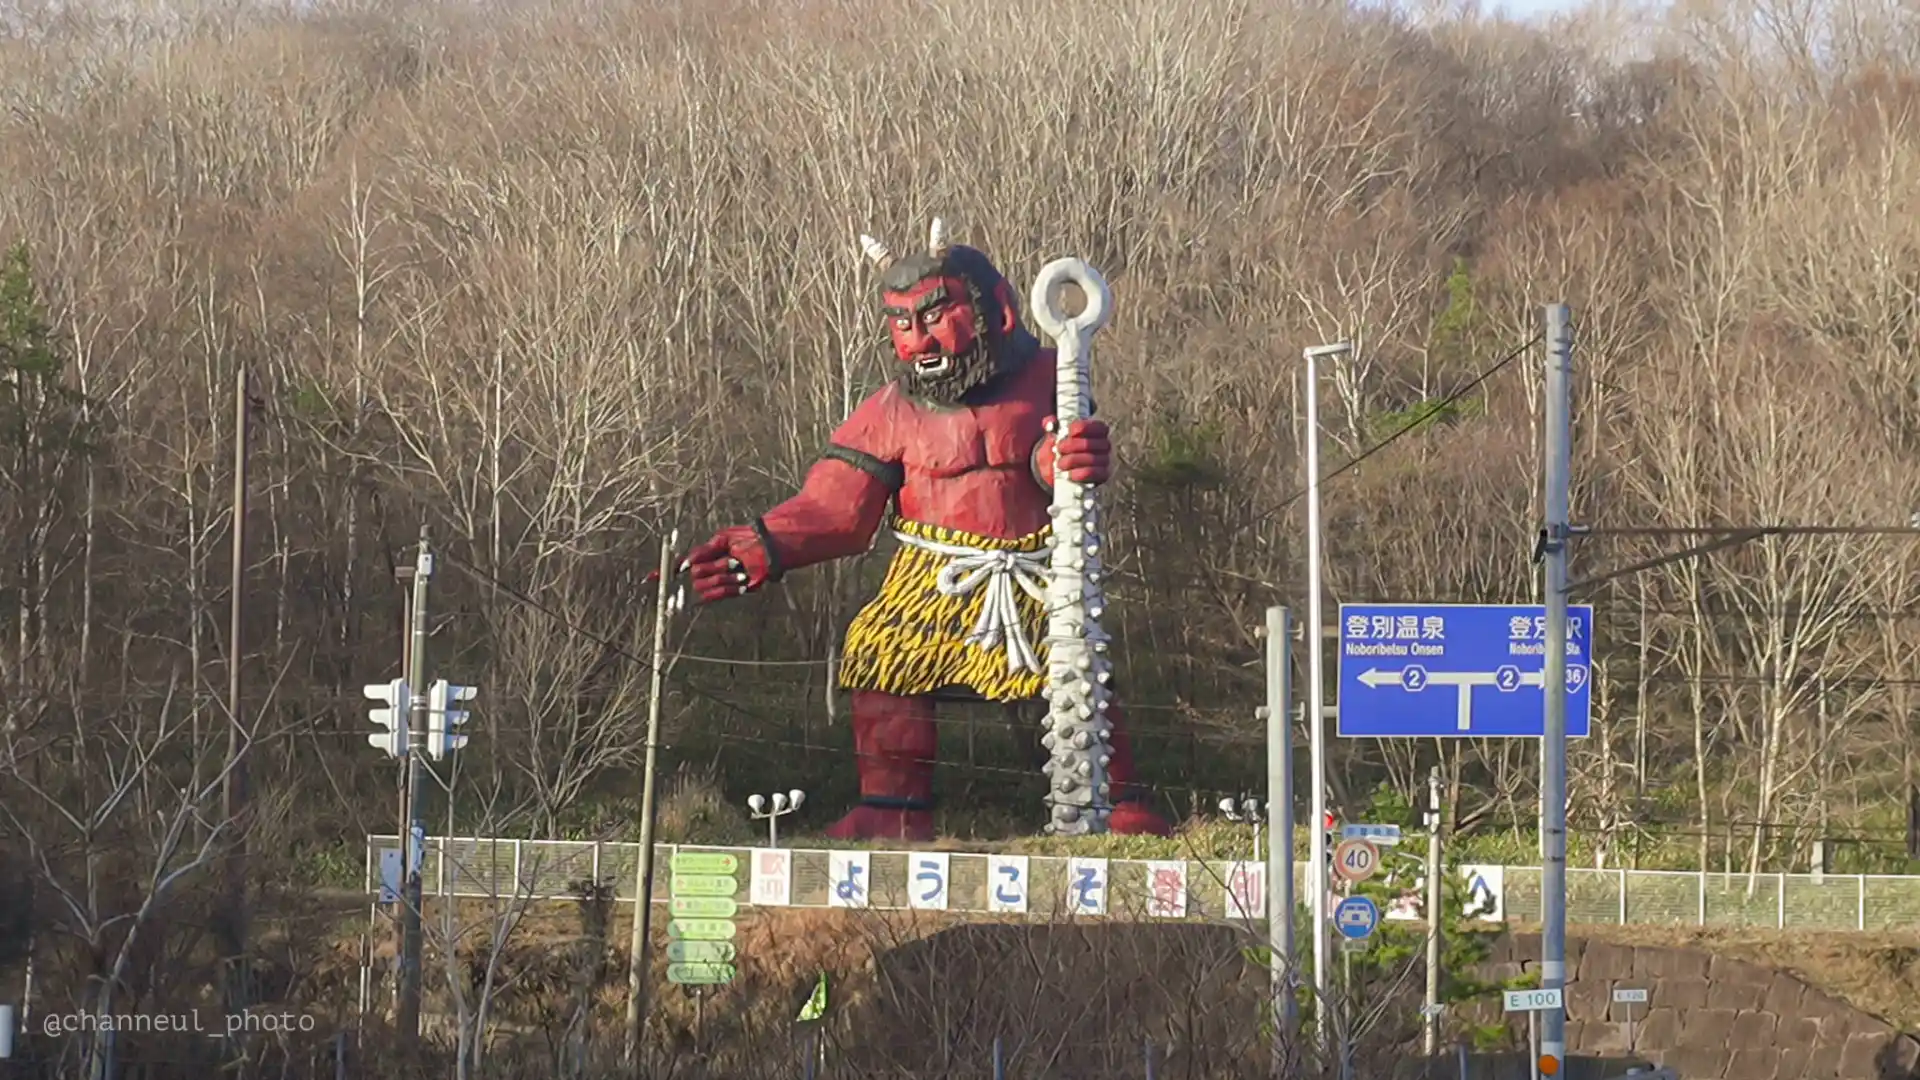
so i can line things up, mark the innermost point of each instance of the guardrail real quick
(550, 869)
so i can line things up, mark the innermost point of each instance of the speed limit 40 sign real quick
(1356, 860)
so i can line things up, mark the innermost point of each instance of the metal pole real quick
(773, 830)
(236, 791)
(1533, 1043)
(403, 829)
(999, 1061)
(413, 845)
(366, 941)
(1348, 1006)
(1280, 899)
(1316, 691)
(1436, 915)
(1553, 746)
(638, 947)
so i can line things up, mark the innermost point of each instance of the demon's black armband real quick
(889, 473)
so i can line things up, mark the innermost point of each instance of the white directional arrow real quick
(1415, 678)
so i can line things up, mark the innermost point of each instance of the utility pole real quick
(235, 795)
(638, 967)
(1553, 745)
(1280, 902)
(414, 844)
(1436, 915)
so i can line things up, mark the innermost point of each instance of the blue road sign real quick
(1463, 670)
(1356, 918)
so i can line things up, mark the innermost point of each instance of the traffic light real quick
(393, 717)
(1331, 825)
(442, 717)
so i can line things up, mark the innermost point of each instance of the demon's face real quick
(940, 336)
(949, 311)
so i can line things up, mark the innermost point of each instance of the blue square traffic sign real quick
(1457, 670)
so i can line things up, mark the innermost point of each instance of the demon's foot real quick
(1134, 819)
(884, 823)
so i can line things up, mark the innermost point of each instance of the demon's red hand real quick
(733, 563)
(1084, 453)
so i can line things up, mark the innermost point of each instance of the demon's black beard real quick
(963, 374)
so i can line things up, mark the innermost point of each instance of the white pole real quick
(1280, 899)
(1317, 695)
(1553, 745)
(1436, 916)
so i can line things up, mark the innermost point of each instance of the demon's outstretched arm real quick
(834, 515)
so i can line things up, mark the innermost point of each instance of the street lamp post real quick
(1247, 810)
(1316, 676)
(783, 803)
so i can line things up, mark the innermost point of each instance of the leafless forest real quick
(554, 280)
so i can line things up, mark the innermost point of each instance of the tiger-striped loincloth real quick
(955, 610)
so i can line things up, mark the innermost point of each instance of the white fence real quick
(555, 869)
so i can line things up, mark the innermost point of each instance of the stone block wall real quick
(1710, 1017)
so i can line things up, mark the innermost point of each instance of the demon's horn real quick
(876, 251)
(937, 238)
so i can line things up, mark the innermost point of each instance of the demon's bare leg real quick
(896, 742)
(1132, 807)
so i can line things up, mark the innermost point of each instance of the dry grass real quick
(693, 807)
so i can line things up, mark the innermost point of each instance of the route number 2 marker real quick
(1356, 860)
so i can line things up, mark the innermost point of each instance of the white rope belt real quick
(1000, 571)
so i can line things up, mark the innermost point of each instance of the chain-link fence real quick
(557, 869)
(1859, 902)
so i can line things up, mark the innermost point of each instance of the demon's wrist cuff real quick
(1033, 465)
(774, 569)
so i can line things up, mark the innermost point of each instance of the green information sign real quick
(703, 907)
(700, 974)
(703, 885)
(705, 862)
(700, 952)
(701, 929)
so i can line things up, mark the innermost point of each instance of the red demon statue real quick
(962, 445)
